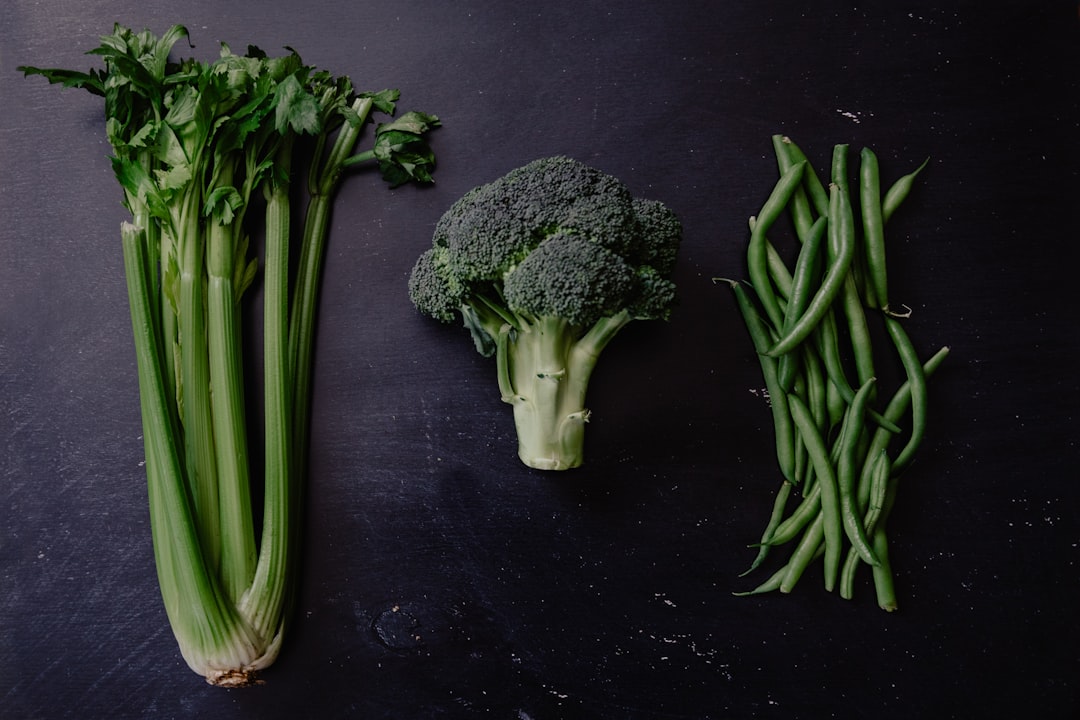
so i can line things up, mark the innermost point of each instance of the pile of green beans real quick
(812, 327)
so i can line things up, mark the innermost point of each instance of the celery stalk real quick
(212, 637)
(224, 347)
(193, 144)
(267, 602)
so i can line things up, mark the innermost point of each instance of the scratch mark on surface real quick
(855, 117)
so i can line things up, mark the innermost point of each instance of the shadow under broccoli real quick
(545, 265)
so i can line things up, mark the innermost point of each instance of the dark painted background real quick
(605, 592)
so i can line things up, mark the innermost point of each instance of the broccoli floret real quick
(544, 266)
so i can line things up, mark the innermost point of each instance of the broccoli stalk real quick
(544, 373)
(545, 266)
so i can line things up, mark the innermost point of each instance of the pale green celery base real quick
(236, 674)
(228, 660)
(212, 636)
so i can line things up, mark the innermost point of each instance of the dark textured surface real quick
(444, 579)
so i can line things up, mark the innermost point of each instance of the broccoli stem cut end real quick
(547, 441)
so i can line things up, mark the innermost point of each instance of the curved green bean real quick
(834, 400)
(846, 473)
(802, 215)
(829, 349)
(878, 489)
(815, 190)
(794, 523)
(775, 517)
(783, 427)
(757, 252)
(899, 191)
(916, 380)
(814, 392)
(777, 270)
(831, 284)
(773, 583)
(807, 270)
(805, 552)
(896, 408)
(833, 531)
(788, 368)
(879, 486)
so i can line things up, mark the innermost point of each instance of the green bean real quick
(776, 268)
(862, 285)
(827, 340)
(788, 368)
(828, 347)
(760, 333)
(873, 229)
(793, 524)
(883, 576)
(780, 276)
(807, 269)
(815, 190)
(878, 488)
(807, 549)
(779, 505)
(898, 192)
(838, 170)
(830, 502)
(831, 285)
(757, 251)
(896, 408)
(879, 485)
(816, 395)
(773, 583)
(802, 469)
(916, 380)
(810, 386)
(862, 345)
(801, 214)
(847, 575)
(836, 404)
(809, 478)
(783, 427)
(846, 474)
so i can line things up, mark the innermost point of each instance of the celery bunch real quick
(201, 150)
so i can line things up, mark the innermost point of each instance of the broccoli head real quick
(544, 266)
